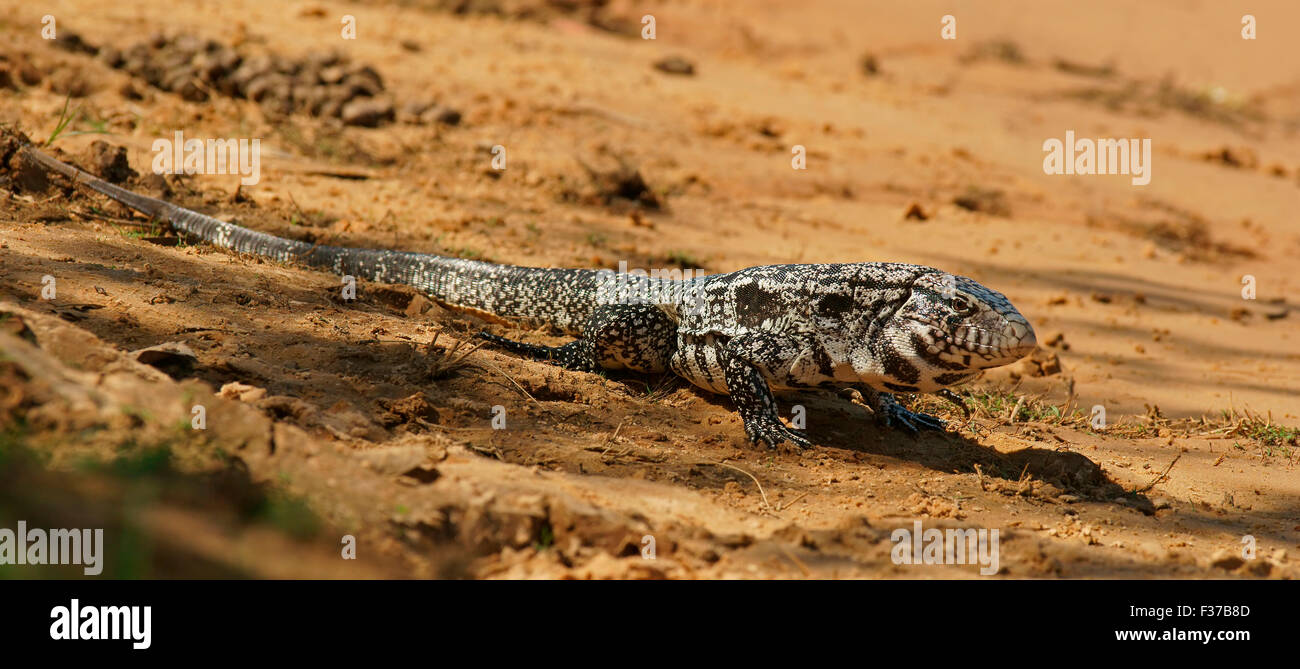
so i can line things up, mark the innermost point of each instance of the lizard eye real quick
(963, 306)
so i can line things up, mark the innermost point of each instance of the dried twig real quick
(1164, 476)
(1015, 412)
(797, 562)
(751, 476)
(510, 379)
(787, 507)
(613, 438)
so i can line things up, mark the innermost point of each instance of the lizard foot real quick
(772, 433)
(894, 414)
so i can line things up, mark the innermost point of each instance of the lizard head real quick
(956, 320)
(947, 330)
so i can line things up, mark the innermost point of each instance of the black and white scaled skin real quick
(874, 328)
(878, 328)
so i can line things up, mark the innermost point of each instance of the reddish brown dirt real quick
(348, 412)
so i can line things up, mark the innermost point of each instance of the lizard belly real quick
(698, 360)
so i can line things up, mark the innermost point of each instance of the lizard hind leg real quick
(578, 355)
(637, 337)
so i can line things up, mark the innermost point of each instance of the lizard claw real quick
(773, 434)
(956, 400)
(912, 421)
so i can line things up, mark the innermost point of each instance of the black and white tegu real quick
(877, 328)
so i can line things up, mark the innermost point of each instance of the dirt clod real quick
(675, 65)
(109, 162)
(1227, 560)
(367, 113)
(987, 200)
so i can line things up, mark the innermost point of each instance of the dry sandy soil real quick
(351, 420)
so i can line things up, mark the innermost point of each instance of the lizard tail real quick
(563, 298)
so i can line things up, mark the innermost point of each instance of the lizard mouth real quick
(997, 345)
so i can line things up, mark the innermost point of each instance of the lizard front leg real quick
(744, 360)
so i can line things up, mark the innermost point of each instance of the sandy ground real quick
(1135, 291)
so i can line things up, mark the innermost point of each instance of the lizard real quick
(870, 328)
